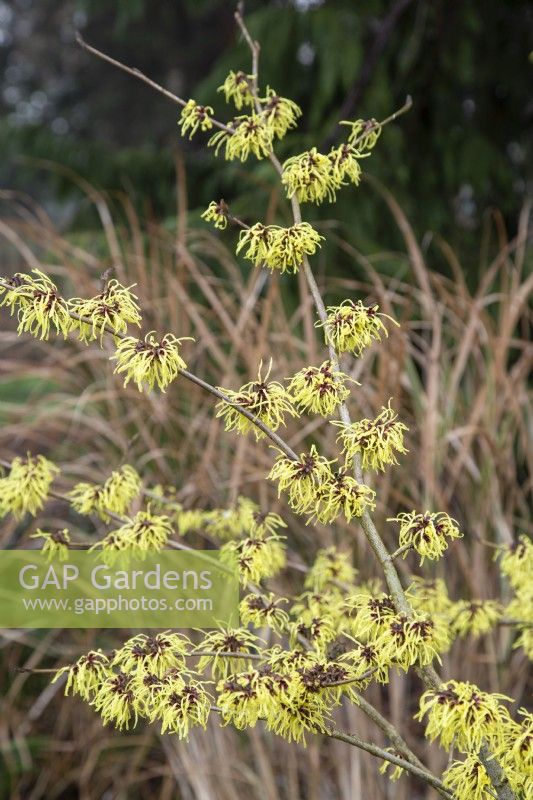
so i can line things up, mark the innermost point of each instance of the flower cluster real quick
(255, 557)
(468, 779)
(150, 361)
(517, 565)
(426, 533)
(55, 544)
(280, 113)
(145, 678)
(264, 610)
(461, 714)
(278, 248)
(237, 88)
(241, 645)
(351, 327)
(402, 640)
(25, 488)
(301, 479)
(114, 495)
(319, 390)
(287, 708)
(364, 133)
(243, 519)
(144, 533)
(343, 495)
(217, 213)
(309, 176)
(181, 704)
(330, 566)
(245, 135)
(375, 440)
(475, 616)
(267, 400)
(38, 303)
(194, 116)
(153, 654)
(113, 309)
(86, 674)
(344, 161)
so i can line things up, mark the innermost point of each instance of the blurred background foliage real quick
(459, 153)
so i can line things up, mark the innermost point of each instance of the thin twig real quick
(379, 752)
(142, 77)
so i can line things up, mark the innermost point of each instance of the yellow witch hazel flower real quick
(343, 495)
(40, 307)
(376, 440)
(373, 656)
(345, 164)
(475, 616)
(394, 772)
(86, 675)
(296, 716)
(256, 557)
(217, 213)
(115, 701)
(370, 615)
(290, 245)
(25, 488)
(258, 238)
(266, 523)
(521, 609)
(330, 566)
(146, 532)
(152, 654)
(518, 743)
(461, 714)
(112, 310)
(278, 248)
(331, 679)
(267, 400)
(469, 780)
(245, 518)
(280, 113)
(415, 639)
(326, 603)
(426, 533)
(431, 597)
(302, 479)
(517, 562)
(264, 610)
(247, 134)
(351, 327)
(317, 631)
(364, 133)
(237, 642)
(114, 547)
(183, 703)
(115, 494)
(150, 361)
(319, 390)
(231, 523)
(407, 640)
(194, 116)
(310, 177)
(55, 543)
(241, 699)
(237, 88)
